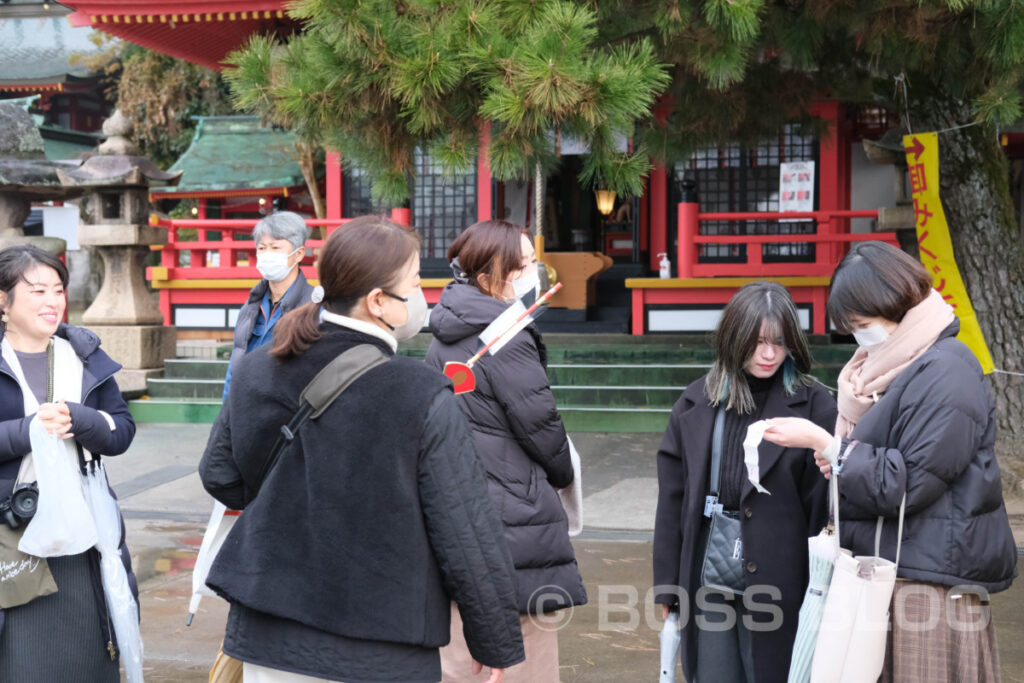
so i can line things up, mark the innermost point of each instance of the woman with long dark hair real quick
(916, 429)
(58, 630)
(761, 370)
(376, 516)
(518, 435)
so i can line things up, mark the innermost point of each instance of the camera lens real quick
(24, 500)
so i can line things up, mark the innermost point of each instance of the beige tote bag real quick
(854, 624)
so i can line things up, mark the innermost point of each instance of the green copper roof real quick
(237, 153)
(36, 50)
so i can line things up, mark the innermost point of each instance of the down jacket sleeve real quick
(467, 537)
(107, 429)
(668, 531)
(520, 384)
(14, 439)
(814, 487)
(939, 422)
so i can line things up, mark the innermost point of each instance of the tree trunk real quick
(307, 163)
(986, 243)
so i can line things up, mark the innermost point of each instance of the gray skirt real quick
(58, 638)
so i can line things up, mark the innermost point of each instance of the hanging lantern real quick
(605, 201)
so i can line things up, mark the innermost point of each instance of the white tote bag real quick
(854, 624)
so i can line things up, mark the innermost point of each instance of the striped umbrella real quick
(822, 551)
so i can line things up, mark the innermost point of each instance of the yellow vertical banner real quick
(934, 243)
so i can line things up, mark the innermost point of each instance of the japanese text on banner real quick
(934, 242)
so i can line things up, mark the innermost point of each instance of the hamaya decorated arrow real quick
(494, 337)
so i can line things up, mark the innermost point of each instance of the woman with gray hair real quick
(743, 620)
(280, 245)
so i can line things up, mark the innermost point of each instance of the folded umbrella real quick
(822, 551)
(221, 522)
(121, 604)
(670, 640)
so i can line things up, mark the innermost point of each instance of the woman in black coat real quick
(517, 432)
(376, 516)
(916, 421)
(760, 371)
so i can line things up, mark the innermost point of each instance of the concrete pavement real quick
(613, 638)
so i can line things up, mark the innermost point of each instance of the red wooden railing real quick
(830, 235)
(219, 271)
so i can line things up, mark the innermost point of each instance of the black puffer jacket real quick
(519, 436)
(932, 436)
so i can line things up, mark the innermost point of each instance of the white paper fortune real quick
(755, 433)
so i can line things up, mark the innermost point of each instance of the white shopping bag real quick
(63, 524)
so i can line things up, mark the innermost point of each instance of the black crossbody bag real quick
(722, 566)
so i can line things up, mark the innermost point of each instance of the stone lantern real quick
(25, 177)
(115, 212)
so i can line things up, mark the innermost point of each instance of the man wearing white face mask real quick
(280, 245)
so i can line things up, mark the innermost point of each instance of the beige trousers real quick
(253, 673)
(541, 665)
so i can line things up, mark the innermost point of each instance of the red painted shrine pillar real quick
(334, 184)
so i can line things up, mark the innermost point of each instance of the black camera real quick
(20, 506)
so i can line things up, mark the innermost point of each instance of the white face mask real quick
(870, 336)
(525, 284)
(416, 307)
(273, 265)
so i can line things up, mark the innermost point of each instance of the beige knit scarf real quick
(868, 374)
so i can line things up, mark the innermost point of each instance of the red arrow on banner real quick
(917, 149)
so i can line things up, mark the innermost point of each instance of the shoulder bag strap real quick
(322, 390)
(716, 460)
(899, 531)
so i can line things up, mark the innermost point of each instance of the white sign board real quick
(796, 186)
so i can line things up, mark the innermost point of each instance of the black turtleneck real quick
(733, 469)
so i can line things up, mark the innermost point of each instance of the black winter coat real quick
(521, 441)
(775, 527)
(375, 517)
(931, 436)
(91, 429)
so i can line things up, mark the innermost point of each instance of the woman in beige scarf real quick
(916, 419)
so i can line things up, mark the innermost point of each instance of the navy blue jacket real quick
(91, 430)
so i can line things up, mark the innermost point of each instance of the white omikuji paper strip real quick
(755, 433)
(501, 326)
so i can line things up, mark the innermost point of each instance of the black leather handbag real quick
(722, 567)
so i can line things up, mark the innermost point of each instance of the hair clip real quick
(318, 294)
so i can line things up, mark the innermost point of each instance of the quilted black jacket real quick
(521, 441)
(931, 436)
(373, 520)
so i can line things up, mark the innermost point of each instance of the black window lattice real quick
(740, 178)
(442, 206)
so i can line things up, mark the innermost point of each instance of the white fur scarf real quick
(67, 385)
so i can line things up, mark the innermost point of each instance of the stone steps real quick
(601, 383)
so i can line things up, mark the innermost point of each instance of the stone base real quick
(137, 346)
(132, 382)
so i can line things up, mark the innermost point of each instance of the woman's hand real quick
(823, 464)
(797, 432)
(497, 675)
(56, 419)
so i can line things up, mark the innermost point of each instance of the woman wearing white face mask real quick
(916, 422)
(376, 515)
(280, 245)
(518, 435)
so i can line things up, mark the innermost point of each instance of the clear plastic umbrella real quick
(124, 611)
(821, 557)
